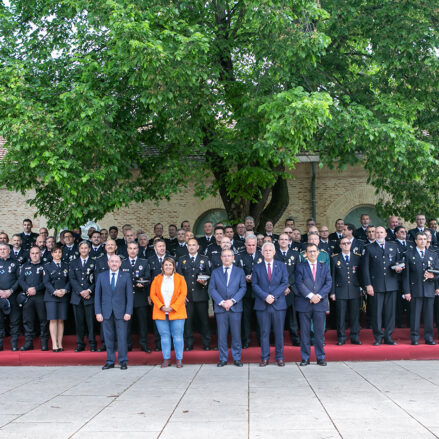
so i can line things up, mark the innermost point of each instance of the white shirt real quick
(167, 289)
(310, 295)
(229, 270)
(115, 277)
(419, 251)
(271, 266)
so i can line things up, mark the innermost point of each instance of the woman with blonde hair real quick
(168, 294)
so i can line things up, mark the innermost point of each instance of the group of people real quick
(260, 281)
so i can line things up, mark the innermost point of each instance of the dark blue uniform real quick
(28, 240)
(21, 256)
(69, 254)
(97, 252)
(56, 278)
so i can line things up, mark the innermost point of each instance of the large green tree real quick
(112, 101)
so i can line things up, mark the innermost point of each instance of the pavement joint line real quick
(111, 401)
(45, 402)
(248, 401)
(415, 373)
(179, 401)
(392, 400)
(320, 401)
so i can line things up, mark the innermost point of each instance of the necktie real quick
(347, 259)
(16, 253)
(382, 246)
(58, 265)
(113, 281)
(83, 263)
(422, 254)
(269, 272)
(404, 244)
(284, 253)
(314, 272)
(226, 274)
(133, 262)
(160, 260)
(192, 259)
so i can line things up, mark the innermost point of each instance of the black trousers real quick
(424, 306)
(151, 324)
(351, 307)
(383, 304)
(199, 311)
(14, 321)
(402, 311)
(248, 317)
(292, 323)
(35, 306)
(84, 323)
(141, 318)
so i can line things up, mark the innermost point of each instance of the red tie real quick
(269, 272)
(314, 272)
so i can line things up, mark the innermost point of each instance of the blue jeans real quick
(175, 328)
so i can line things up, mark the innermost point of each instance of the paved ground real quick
(348, 400)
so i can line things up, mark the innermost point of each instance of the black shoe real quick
(123, 366)
(245, 346)
(108, 366)
(415, 343)
(145, 349)
(189, 348)
(304, 363)
(377, 343)
(206, 348)
(341, 343)
(321, 363)
(263, 363)
(130, 348)
(157, 349)
(221, 363)
(103, 348)
(14, 348)
(238, 363)
(93, 349)
(44, 346)
(296, 343)
(1, 347)
(27, 347)
(215, 348)
(79, 348)
(430, 342)
(356, 342)
(391, 342)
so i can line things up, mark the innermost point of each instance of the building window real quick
(213, 215)
(354, 215)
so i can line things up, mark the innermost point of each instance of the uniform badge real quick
(140, 267)
(184, 262)
(391, 249)
(413, 257)
(259, 260)
(338, 263)
(292, 258)
(65, 272)
(430, 258)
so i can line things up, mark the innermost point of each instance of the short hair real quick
(310, 219)
(290, 218)
(94, 233)
(27, 220)
(192, 239)
(84, 243)
(113, 228)
(350, 227)
(158, 224)
(15, 235)
(313, 233)
(156, 241)
(249, 218)
(34, 246)
(228, 227)
(67, 231)
(420, 234)
(57, 246)
(251, 237)
(398, 228)
(265, 244)
(3, 244)
(339, 219)
(309, 245)
(172, 225)
(219, 228)
(185, 221)
(364, 214)
(133, 242)
(227, 250)
(269, 220)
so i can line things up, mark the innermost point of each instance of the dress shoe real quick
(377, 343)
(415, 343)
(1, 345)
(145, 348)
(130, 348)
(238, 363)
(296, 343)
(356, 342)
(102, 348)
(189, 348)
(108, 366)
(391, 342)
(157, 349)
(321, 363)
(44, 346)
(27, 347)
(55, 350)
(166, 363)
(430, 342)
(341, 343)
(14, 348)
(206, 348)
(93, 349)
(281, 363)
(79, 348)
(179, 364)
(245, 346)
(304, 363)
(123, 366)
(263, 363)
(215, 348)
(221, 363)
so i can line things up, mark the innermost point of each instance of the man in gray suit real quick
(114, 307)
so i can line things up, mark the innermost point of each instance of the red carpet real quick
(366, 352)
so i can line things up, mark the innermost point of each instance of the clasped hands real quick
(85, 294)
(227, 304)
(100, 317)
(270, 299)
(4, 294)
(315, 299)
(59, 293)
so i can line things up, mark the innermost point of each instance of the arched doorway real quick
(213, 215)
(354, 216)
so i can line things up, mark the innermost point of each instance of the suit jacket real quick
(21, 257)
(411, 235)
(360, 234)
(235, 289)
(82, 278)
(305, 285)
(204, 243)
(178, 301)
(346, 281)
(246, 262)
(291, 259)
(413, 275)
(262, 287)
(119, 301)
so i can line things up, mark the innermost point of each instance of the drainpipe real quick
(313, 191)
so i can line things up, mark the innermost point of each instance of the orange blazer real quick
(178, 301)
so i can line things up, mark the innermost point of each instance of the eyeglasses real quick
(344, 243)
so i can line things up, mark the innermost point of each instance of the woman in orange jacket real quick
(168, 294)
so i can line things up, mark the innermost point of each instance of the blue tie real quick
(347, 258)
(113, 281)
(226, 274)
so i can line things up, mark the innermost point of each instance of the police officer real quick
(208, 237)
(191, 266)
(346, 291)
(46, 256)
(180, 249)
(214, 247)
(224, 244)
(290, 258)
(27, 236)
(97, 249)
(82, 280)
(140, 275)
(56, 297)
(360, 233)
(381, 282)
(18, 253)
(70, 250)
(31, 282)
(419, 288)
(9, 286)
(247, 259)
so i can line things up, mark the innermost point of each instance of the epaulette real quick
(358, 254)
(334, 254)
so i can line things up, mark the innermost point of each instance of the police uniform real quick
(70, 253)
(31, 275)
(140, 273)
(421, 290)
(197, 299)
(247, 261)
(346, 286)
(9, 274)
(20, 256)
(360, 234)
(402, 306)
(180, 250)
(204, 242)
(27, 240)
(56, 277)
(376, 271)
(290, 258)
(97, 252)
(46, 256)
(82, 277)
(171, 243)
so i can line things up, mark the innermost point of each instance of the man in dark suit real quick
(180, 249)
(269, 282)
(191, 266)
(114, 307)
(360, 233)
(70, 250)
(27, 236)
(382, 283)
(269, 227)
(97, 249)
(227, 289)
(313, 283)
(419, 288)
(338, 234)
(420, 227)
(205, 240)
(346, 291)
(18, 253)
